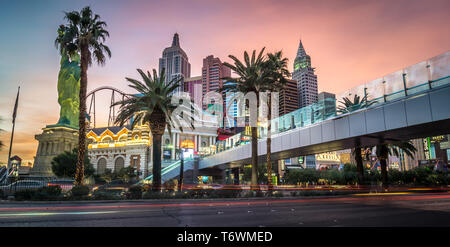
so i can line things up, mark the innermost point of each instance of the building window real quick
(119, 164)
(101, 166)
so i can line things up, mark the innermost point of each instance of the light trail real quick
(50, 214)
(256, 202)
(383, 194)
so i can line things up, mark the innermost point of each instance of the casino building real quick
(117, 147)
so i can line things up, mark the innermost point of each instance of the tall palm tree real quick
(154, 106)
(384, 150)
(348, 106)
(251, 80)
(84, 34)
(276, 72)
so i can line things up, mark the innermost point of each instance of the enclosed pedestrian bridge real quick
(411, 103)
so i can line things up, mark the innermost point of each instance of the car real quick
(110, 193)
(11, 189)
(116, 188)
(115, 184)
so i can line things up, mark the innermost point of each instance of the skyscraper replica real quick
(288, 98)
(175, 61)
(305, 77)
(212, 72)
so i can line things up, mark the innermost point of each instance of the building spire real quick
(176, 40)
(301, 51)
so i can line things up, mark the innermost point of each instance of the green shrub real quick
(104, 195)
(373, 177)
(350, 168)
(52, 192)
(45, 193)
(303, 176)
(135, 192)
(248, 194)
(277, 194)
(395, 177)
(157, 195)
(349, 175)
(24, 195)
(169, 185)
(421, 174)
(229, 193)
(80, 191)
(258, 193)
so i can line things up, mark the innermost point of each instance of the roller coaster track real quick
(92, 107)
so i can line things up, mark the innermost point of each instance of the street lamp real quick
(180, 180)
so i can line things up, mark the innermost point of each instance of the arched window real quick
(123, 138)
(107, 139)
(101, 166)
(91, 140)
(119, 164)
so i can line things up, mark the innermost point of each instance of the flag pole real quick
(12, 132)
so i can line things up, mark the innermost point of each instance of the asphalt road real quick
(427, 209)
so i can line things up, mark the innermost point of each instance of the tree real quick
(84, 34)
(126, 174)
(276, 72)
(357, 103)
(65, 164)
(384, 150)
(350, 106)
(154, 106)
(262, 170)
(251, 80)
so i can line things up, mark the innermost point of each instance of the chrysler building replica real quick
(305, 77)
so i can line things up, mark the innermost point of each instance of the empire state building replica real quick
(305, 77)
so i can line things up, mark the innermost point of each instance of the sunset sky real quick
(350, 42)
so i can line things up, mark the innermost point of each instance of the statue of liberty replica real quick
(69, 90)
(62, 136)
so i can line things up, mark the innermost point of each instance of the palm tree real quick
(276, 72)
(154, 106)
(84, 34)
(251, 80)
(349, 106)
(356, 104)
(384, 150)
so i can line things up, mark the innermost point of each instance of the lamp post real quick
(180, 180)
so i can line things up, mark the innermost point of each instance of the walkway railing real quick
(170, 168)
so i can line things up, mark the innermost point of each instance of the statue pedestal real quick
(54, 140)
